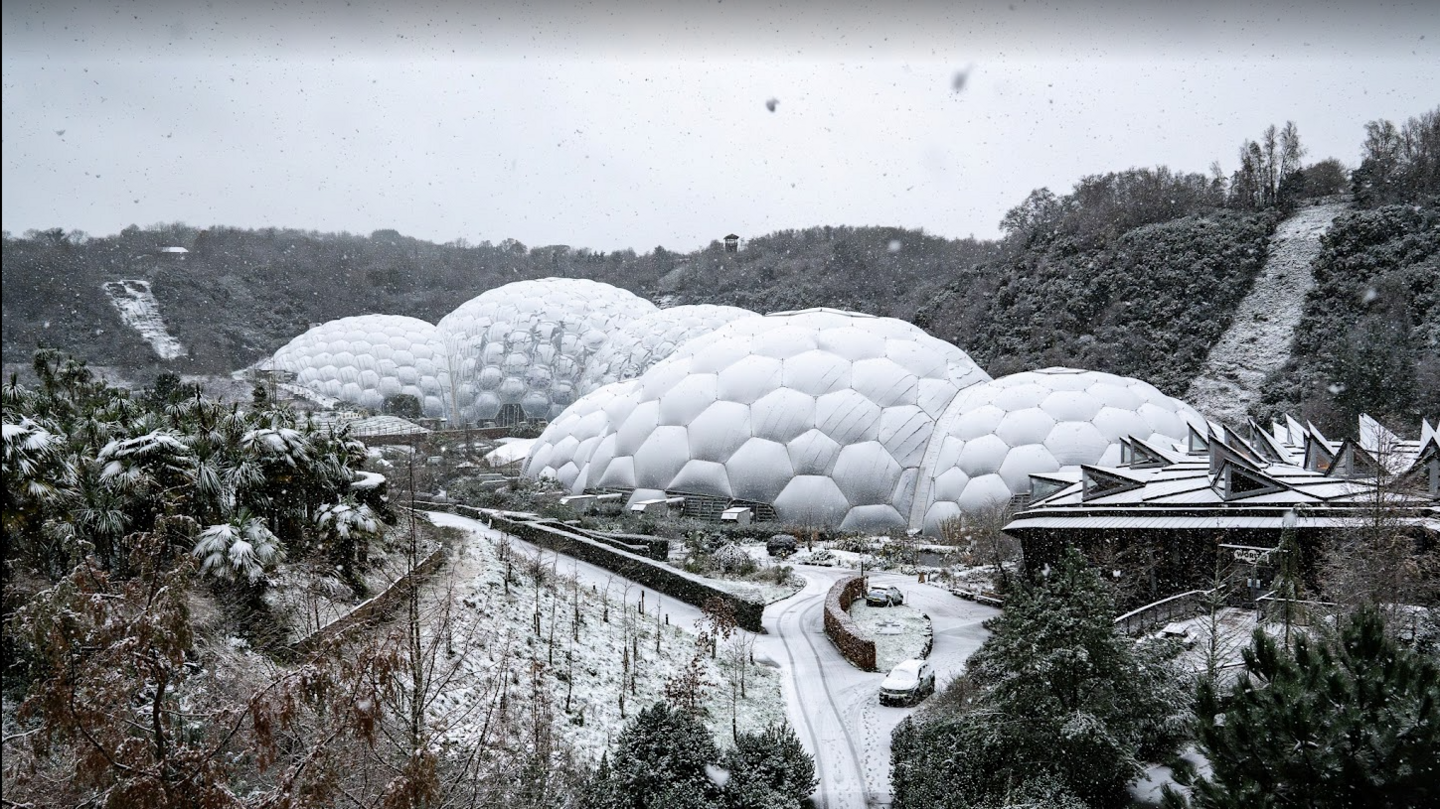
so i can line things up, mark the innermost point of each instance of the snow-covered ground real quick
(833, 706)
(899, 632)
(592, 664)
(511, 450)
(140, 311)
(1258, 340)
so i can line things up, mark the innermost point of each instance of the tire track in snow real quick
(831, 796)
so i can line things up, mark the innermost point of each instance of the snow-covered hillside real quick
(141, 312)
(1258, 340)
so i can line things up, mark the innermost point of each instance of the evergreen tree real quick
(1053, 694)
(1348, 721)
(769, 770)
(660, 755)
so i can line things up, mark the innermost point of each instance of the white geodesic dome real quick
(522, 348)
(645, 341)
(824, 415)
(564, 449)
(367, 359)
(995, 435)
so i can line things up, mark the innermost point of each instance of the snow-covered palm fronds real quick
(347, 521)
(243, 547)
(36, 468)
(159, 459)
(277, 444)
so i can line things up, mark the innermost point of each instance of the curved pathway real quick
(833, 706)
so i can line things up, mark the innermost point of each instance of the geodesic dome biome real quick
(824, 415)
(368, 359)
(642, 342)
(519, 351)
(994, 435)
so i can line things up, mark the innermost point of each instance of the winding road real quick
(833, 706)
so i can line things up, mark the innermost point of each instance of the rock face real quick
(1258, 340)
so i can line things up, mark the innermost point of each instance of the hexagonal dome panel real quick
(368, 359)
(646, 340)
(994, 435)
(520, 349)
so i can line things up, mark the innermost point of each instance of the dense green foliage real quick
(661, 761)
(1346, 721)
(1369, 340)
(1146, 302)
(1055, 704)
(88, 468)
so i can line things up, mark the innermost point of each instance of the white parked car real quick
(908, 683)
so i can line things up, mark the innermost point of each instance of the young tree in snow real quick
(661, 755)
(1351, 719)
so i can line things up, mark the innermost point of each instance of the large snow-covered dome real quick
(367, 359)
(824, 415)
(995, 435)
(645, 341)
(522, 348)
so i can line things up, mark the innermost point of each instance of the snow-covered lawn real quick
(899, 632)
(582, 669)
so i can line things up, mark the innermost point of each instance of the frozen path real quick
(833, 706)
(1258, 340)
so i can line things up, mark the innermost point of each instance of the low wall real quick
(842, 631)
(372, 609)
(677, 584)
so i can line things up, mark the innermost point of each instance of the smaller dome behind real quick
(517, 352)
(368, 359)
(994, 435)
(643, 342)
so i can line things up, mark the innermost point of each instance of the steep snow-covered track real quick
(140, 311)
(1258, 340)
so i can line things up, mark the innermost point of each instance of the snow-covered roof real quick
(1228, 481)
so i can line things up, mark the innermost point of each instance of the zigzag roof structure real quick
(1226, 480)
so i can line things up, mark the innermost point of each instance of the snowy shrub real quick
(243, 547)
(734, 560)
(768, 769)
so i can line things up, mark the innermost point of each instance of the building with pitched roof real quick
(1177, 511)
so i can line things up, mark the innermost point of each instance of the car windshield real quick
(903, 676)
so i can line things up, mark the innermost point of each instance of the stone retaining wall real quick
(372, 610)
(841, 630)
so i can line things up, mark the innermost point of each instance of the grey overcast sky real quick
(633, 124)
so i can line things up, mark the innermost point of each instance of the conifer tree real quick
(1054, 694)
(1344, 722)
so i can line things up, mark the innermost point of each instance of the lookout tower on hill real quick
(732, 243)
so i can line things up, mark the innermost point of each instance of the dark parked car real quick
(908, 683)
(781, 545)
(884, 596)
